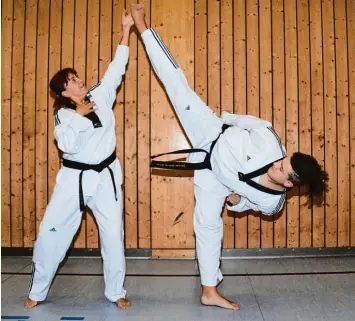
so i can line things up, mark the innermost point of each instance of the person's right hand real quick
(84, 107)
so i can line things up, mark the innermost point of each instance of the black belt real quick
(205, 164)
(96, 167)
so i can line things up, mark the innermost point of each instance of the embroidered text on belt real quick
(96, 167)
(205, 164)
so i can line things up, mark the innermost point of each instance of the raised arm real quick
(117, 68)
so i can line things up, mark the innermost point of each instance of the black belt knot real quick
(97, 168)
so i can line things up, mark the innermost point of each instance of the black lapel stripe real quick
(166, 51)
(279, 205)
(95, 86)
(32, 276)
(278, 140)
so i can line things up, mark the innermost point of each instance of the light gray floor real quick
(319, 289)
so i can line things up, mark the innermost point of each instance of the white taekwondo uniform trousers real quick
(202, 127)
(81, 142)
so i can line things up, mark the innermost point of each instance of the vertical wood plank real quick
(16, 124)
(105, 37)
(201, 48)
(227, 96)
(265, 95)
(92, 77)
(68, 33)
(80, 67)
(291, 116)
(253, 95)
(171, 195)
(6, 70)
(29, 125)
(200, 39)
(118, 110)
(304, 100)
(41, 109)
(317, 109)
(342, 122)
(330, 124)
(351, 65)
(240, 99)
(55, 34)
(278, 48)
(213, 56)
(143, 102)
(118, 7)
(130, 168)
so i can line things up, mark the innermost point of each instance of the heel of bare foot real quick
(30, 304)
(123, 304)
(219, 301)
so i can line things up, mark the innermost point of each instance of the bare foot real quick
(123, 303)
(210, 296)
(29, 304)
(137, 12)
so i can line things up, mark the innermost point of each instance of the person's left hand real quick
(127, 20)
(233, 198)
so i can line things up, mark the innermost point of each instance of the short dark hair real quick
(58, 84)
(308, 171)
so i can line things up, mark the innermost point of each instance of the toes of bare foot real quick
(29, 304)
(123, 303)
(219, 301)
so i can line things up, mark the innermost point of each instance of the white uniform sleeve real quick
(115, 71)
(244, 121)
(245, 205)
(72, 131)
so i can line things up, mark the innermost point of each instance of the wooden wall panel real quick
(253, 94)
(350, 9)
(79, 66)
(279, 91)
(55, 43)
(330, 123)
(177, 191)
(290, 62)
(6, 64)
(240, 99)
(342, 102)
(130, 172)
(317, 108)
(265, 76)
(42, 110)
(304, 105)
(227, 96)
(92, 77)
(291, 116)
(143, 175)
(17, 124)
(29, 125)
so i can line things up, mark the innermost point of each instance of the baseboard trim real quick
(226, 253)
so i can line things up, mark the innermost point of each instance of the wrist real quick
(126, 29)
